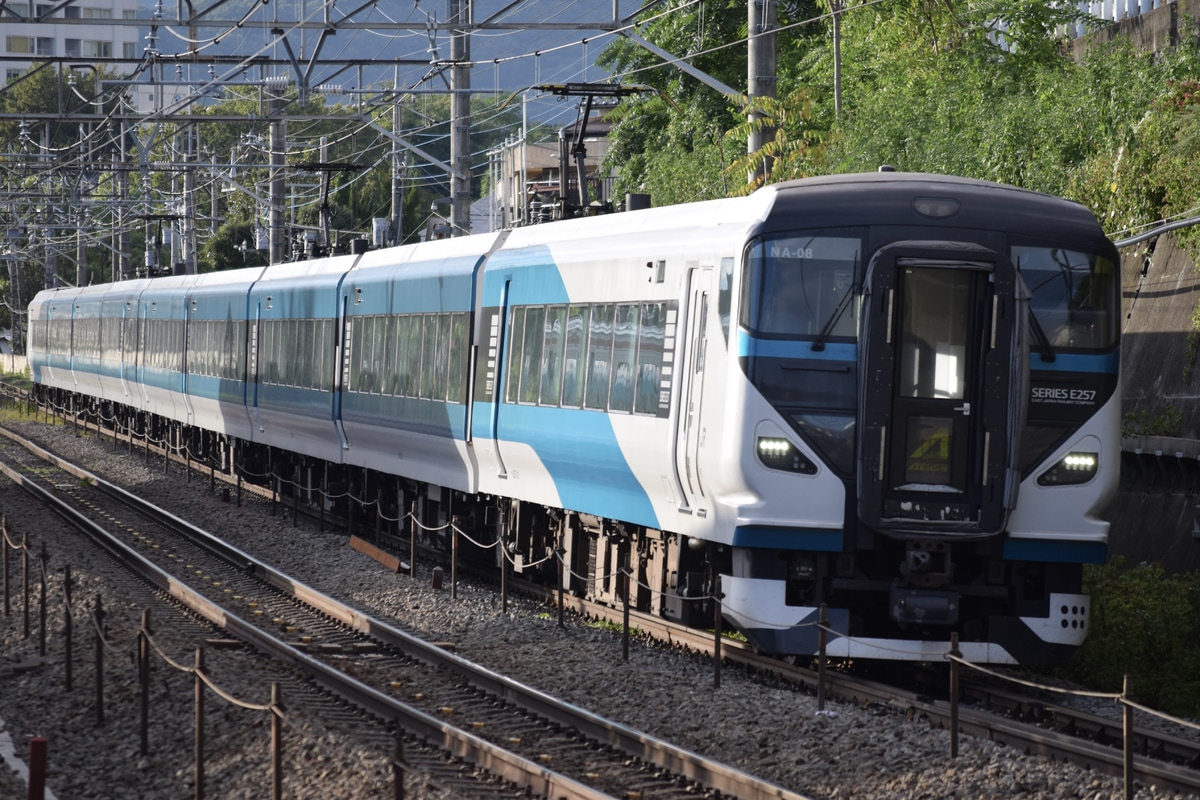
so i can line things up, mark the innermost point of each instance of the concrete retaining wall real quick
(1154, 31)
(1155, 512)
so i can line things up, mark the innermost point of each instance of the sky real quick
(505, 61)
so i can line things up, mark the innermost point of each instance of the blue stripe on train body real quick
(577, 447)
(1105, 363)
(223, 297)
(751, 347)
(437, 285)
(296, 291)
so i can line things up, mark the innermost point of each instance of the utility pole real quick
(81, 270)
(278, 145)
(760, 77)
(397, 227)
(51, 252)
(121, 234)
(213, 198)
(188, 223)
(458, 14)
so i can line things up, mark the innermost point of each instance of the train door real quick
(128, 345)
(341, 362)
(253, 344)
(939, 342)
(189, 306)
(497, 336)
(689, 432)
(143, 323)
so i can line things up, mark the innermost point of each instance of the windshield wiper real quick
(1039, 336)
(819, 344)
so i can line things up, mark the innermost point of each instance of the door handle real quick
(965, 408)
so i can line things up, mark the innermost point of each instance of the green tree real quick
(676, 142)
(794, 151)
(231, 247)
(59, 92)
(984, 90)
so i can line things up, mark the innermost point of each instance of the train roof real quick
(835, 200)
(739, 212)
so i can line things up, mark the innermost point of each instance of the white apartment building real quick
(84, 30)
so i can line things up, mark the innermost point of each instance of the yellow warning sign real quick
(929, 451)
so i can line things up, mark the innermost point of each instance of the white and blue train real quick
(892, 395)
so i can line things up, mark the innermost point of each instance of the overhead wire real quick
(345, 135)
(212, 41)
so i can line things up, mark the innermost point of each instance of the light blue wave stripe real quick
(750, 347)
(580, 451)
(1107, 363)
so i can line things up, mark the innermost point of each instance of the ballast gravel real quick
(750, 722)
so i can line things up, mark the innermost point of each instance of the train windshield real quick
(1074, 296)
(807, 287)
(804, 286)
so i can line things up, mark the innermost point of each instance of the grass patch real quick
(18, 380)
(1168, 422)
(612, 627)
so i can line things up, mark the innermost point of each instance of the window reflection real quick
(1073, 294)
(804, 286)
(934, 333)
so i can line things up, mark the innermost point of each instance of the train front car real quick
(948, 349)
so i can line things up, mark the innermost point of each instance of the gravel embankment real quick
(754, 724)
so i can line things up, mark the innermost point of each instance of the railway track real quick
(1029, 724)
(532, 741)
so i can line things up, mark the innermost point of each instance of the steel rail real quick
(973, 721)
(983, 724)
(712, 775)
(495, 760)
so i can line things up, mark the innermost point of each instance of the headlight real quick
(1075, 468)
(777, 453)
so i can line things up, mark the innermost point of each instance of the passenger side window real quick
(650, 354)
(412, 378)
(573, 355)
(599, 357)
(456, 384)
(512, 375)
(531, 354)
(625, 334)
(428, 356)
(441, 361)
(551, 372)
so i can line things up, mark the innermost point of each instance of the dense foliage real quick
(1144, 624)
(987, 90)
